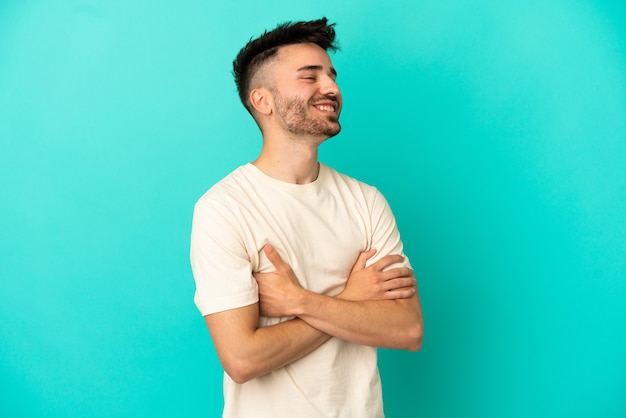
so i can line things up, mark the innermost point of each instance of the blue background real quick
(497, 131)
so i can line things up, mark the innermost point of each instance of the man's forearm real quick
(360, 314)
(382, 323)
(247, 352)
(278, 345)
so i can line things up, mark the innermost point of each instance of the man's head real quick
(251, 60)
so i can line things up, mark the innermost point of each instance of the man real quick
(299, 269)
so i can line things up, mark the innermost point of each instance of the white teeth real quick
(326, 108)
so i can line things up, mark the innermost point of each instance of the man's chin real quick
(334, 128)
(334, 131)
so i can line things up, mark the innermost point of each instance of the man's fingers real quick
(403, 293)
(273, 256)
(361, 261)
(399, 283)
(387, 260)
(397, 272)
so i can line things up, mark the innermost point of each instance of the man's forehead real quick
(304, 55)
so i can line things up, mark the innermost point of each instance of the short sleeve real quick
(385, 235)
(220, 263)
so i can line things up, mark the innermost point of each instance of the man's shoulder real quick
(234, 185)
(349, 180)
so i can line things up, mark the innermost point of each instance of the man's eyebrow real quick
(316, 68)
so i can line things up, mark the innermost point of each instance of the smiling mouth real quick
(326, 107)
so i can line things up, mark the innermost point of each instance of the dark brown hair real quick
(258, 51)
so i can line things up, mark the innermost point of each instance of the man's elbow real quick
(240, 370)
(413, 329)
(414, 337)
(415, 345)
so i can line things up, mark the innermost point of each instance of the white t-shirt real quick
(319, 229)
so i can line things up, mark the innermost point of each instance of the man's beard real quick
(295, 118)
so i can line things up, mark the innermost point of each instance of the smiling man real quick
(300, 272)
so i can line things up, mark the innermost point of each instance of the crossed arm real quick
(379, 307)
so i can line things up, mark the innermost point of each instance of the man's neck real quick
(292, 161)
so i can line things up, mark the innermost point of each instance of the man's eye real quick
(309, 78)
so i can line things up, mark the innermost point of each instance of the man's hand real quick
(379, 305)
(277, 290)
(376, 282)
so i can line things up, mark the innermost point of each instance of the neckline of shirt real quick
(288, 187)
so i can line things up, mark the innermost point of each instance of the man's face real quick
(306, 97)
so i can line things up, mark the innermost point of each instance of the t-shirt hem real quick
(208, 307)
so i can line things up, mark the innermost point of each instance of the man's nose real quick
(330, 87)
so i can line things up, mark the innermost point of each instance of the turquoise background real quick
(497, 131)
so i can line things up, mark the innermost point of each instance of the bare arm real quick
(381, 323)
(247, 351)
(388, 322)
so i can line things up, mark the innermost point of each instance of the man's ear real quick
(261, 100)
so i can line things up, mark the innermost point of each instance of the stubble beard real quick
(293, 112)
